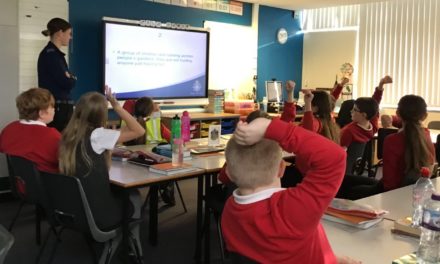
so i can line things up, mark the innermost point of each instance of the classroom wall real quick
(85, 16)
(280, 61)
(8, 69)
(337, 47)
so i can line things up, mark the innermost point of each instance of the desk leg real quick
(125, 226)
(207, 223)
(197, 255)
(153, 214)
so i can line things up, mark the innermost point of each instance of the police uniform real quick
(52, 68)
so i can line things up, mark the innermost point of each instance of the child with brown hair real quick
(318, 110)
(30, 137)
(269, 224)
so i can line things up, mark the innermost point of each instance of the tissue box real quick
(239, 107)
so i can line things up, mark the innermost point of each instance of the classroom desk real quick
(129, 176)
(371, 246)
(398, 201)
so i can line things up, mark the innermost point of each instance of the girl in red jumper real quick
(405, 152)
(318, 112)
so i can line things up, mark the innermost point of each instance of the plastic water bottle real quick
(422, 191)
(186, 126)
(175, 128)
(177, 154)
(429, 246)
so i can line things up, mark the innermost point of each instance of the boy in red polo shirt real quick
(265, 222)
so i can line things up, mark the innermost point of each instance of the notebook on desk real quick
(207, 149)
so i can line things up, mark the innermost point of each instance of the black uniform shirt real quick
(52, 68)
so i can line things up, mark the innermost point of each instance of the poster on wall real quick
(223, 6)
(236, 8)
(163, 1)
(210, 5)
(179, 2)
(195, 3)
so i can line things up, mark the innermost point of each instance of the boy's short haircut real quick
(30, 102)
(253, 166)
(256, 114)
(367, 105)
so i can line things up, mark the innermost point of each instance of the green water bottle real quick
(175, 128)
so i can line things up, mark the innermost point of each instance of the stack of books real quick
(216, 99)
(404, 227)
(170, 169)
(353, 214)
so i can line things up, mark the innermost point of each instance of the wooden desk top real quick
(129, 175)
(373, 245)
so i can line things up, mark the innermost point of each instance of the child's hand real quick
(344, 81)
(308, 95)
(290, 86)
(347, 260)
(385, 80)
(111, 97)
(249, 134)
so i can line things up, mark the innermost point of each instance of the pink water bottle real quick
(185, 129)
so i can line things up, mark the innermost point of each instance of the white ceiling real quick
(307, 4)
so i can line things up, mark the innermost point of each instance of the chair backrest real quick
(69, 206)
(25, 179)
(382, 133)
(344, 115)
(6, 241)
(410, 178)
(237, 258)
(354, 152)
(434, 125)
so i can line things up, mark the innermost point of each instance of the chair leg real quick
(220, 239)
(181, 197)
(11, 225)
(38, 216)
(52, 254)
(43, 246)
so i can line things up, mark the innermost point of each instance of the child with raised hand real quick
(85, 153)
(365, 116)
(143, 109)
(317, 112)
(30, 137)
(269, 224)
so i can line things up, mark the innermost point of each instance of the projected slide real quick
(155, 62)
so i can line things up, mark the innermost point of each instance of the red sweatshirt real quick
(309, 121)
(283, 225)
(394, 159)
(354, 133)
(37, 143)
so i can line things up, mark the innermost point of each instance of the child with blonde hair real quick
(269, 224)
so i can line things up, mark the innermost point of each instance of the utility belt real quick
(64, 102)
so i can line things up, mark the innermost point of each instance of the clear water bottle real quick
(429, 246)
(177, 154)
(422, 191)
(186, 126)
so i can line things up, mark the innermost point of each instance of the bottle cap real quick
(185, 113)
(176, 117)
(424, 172)
(435, 196)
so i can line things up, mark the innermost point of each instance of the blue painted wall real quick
(85, 17)
(282, 62)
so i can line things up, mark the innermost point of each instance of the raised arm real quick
(324, 167)
(309, 121)
(337, 88)
(289, 112)
(132, 129)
